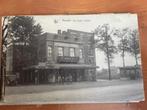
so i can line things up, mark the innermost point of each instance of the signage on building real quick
(67, 59)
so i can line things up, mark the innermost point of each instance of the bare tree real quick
(105, 43)
(134, 49)
(123, 45)
(5, 42)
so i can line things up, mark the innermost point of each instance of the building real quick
(65, 56)
(130, 72)
(15, 61)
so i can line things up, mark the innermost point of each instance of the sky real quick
(87, 23)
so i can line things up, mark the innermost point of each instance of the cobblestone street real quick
(100, 91)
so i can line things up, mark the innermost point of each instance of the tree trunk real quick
(123, 61)
(108, 58)
(1, 85)
(123, 55)
(123, 58)
(2, 79)
(109, 69)
(136, 60)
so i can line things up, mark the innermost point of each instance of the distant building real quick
(62, 57)
(130, 72)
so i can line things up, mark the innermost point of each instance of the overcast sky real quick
(88, 23)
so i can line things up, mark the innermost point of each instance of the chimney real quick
(59, 32)
(64, 32)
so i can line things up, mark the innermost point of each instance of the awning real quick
(62, 66)
(74, 66)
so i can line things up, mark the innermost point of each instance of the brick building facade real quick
(65, 56)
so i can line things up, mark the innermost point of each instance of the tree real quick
(105, 43)
(22, 32)
(134, 45)
(34, 39)
(6, 40)
(134, 49)
(26, 33)
(123, 45)
(6, 32)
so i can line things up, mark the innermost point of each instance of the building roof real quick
(69, 36)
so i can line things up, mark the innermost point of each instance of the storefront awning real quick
(74, 66)
(62, 66)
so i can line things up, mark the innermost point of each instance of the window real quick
(72, 52)
(60, 51)
(49, 51)
(81, 53)
(76, 38)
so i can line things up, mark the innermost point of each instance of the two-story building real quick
(65, 56)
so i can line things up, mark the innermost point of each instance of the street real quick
(100, 91)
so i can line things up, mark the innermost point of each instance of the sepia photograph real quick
(90, 58)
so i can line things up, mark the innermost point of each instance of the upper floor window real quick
(60, 51)
(72, 52)
(80, 53)
(49, 51)
(76, 38)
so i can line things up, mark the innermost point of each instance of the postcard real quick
(91, 58)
